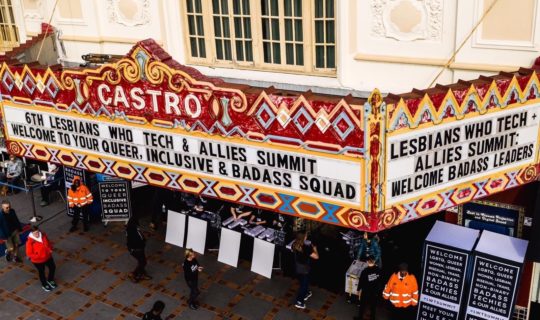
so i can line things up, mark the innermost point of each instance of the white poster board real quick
(176, 228)
(229, 247)
(263, 257)
(196, 237)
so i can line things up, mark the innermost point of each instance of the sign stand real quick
(35, 217)
(115, 201)
(497, 268)
(446, 262)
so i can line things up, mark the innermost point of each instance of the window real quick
(196, 29)
(287, 35)
(9, 36)
(325, 34)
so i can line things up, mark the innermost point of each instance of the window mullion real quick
(208, 24)
(256, 33)
(232, 30)
(282, 42)
(308, 32)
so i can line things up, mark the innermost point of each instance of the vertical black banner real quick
(442, 283)
(69, 174)
(493, 288)
(115, 200)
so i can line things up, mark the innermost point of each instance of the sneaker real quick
(8, 256)
(193, 307)
(47, 288)
(308, 295)
(52, 284)
(145, 277)
(132, 277)
(300, 305)
(17, 259)
(73, 228)
(43, 203)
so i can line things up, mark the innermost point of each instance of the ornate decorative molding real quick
(34, 14)
(428, 28)
(141, 17)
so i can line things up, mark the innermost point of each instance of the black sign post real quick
(115, 201)
(69, 174)
(446, 260)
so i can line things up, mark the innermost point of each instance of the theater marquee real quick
(426, 160)
(149, 119)
(453, 154)
(305, 173)
(368, 164)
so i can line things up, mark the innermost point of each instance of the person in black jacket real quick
(136, 243)
(369, 284)
(155, 313)
(304, 252)
(191, 274)
(10, 228)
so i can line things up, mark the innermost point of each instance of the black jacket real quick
(191, 270)
(135, 238)
(369, 281)
(9, 223)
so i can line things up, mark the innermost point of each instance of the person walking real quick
(79, 198)
(304, 252)
(136, 243)
(10, 228)
(368, 288)
(402, 291)
(155, 313)
(39, 251)
(191, 273)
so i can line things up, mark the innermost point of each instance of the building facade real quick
(329, 45)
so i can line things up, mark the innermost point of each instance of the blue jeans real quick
(304, 287)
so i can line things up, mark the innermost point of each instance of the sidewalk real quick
(92, 269)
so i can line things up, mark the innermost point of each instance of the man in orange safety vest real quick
(79, 198)
(402, 291)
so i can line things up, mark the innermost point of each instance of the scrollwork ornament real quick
(67, 81)
(357, 219)
(15, 148)
(155, 73)
(238, 103)
(176, 82)
(388, 218)
(129, 70)
(529, 174)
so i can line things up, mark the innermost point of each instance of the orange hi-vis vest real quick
(80, 197)
(402, 293)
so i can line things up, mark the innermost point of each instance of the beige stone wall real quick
(509, 20)
(395, 45)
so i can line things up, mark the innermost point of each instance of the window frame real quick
(258, 64)
(9, 26)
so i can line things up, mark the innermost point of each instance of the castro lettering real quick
(160, 101)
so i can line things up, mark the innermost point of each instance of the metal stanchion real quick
(35, 217)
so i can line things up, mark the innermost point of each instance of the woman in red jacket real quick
(39, 251)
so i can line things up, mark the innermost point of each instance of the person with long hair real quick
(39, 251)
(304, 252)
(136, 243)
(191, 273)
